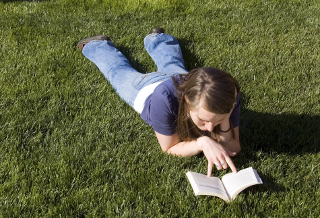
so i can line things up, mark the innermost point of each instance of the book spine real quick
(229, 197)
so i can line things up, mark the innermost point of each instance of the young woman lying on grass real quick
(190, 112)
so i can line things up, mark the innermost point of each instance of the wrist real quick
(200, 142)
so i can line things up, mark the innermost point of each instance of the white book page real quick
(207, 185)
(236, 182)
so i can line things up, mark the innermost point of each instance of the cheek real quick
(198, 122)
(217, 123)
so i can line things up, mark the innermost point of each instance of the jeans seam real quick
(139, 86)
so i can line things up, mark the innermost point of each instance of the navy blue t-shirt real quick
(161, 109)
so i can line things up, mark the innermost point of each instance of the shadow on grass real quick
(133, 62)
(289, 134)
(191, 61)
(280, 133)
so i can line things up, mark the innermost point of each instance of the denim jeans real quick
(164, 50)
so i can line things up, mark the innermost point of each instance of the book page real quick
(203, 185)
(234, 183)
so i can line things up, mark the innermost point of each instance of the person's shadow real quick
(289, 134)
(280, 133)
(265, 132)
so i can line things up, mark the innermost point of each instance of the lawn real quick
(70, 147)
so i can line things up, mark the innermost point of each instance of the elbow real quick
(237, 149)
(165, 149)
(234, 147)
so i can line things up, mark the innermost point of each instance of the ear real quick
(187, 100)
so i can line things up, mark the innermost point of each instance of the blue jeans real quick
(164, 50)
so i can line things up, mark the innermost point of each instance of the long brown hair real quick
(213, 88)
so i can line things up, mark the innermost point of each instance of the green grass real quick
(71, 148)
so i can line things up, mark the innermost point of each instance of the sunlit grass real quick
(70, 147)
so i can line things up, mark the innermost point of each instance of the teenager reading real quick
(190, 112)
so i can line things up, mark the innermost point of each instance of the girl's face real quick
(204, 119)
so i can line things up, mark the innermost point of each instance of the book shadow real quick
(269, 186)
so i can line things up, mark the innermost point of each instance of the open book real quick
(228, 187)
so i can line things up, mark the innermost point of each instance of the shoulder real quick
(164, 93)
(163, 108)
(238, 100)
(235, 115)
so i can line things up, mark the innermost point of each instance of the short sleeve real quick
(235, 115)
(163, 113)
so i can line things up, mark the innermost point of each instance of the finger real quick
(230, 163)
(209, 168)
(224, 164)
(218, 165)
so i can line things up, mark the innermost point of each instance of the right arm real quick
(172, 145)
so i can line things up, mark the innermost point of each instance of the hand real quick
(216, 154)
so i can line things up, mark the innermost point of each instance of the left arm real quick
(227, 141)
(232, 144)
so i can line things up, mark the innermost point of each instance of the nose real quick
(209, 126)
